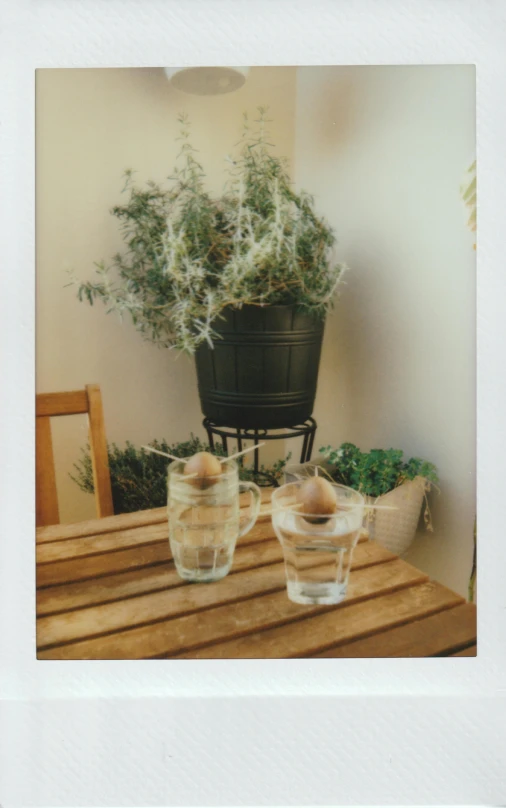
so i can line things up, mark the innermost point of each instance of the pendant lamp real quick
(207, 80)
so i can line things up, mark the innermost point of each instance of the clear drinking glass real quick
(205, 520)
(318, 548)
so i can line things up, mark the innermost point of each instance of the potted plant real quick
(243, 280)
(385, 478)
(139, 478)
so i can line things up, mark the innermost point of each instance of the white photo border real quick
(460, 696)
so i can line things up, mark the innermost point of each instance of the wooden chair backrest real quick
(49, 405)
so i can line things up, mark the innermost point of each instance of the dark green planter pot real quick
(264, 370)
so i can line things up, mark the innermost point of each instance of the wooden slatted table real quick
(107, 589)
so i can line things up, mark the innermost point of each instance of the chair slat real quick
(47, 499)
(72, 403)
(99, 456)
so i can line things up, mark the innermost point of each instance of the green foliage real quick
(468, 194)
(139, 478)
(376, 472)
(273, 474)
(189, 255)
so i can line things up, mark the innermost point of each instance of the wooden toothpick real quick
(280, 510)
(368, 507)
(339, 509)
(163, 454)
(221, 459)
(238, 454)
(380, 507)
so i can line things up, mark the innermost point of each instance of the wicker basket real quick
(395, 530)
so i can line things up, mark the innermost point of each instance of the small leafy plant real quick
(190, 255)
(376, 472)
(139, 478)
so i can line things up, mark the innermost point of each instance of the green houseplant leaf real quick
(376, 472)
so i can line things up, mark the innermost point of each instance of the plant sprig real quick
(189, 255)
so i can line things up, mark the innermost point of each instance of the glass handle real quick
(247, 522)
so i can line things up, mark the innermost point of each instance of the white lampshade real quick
(207, 80)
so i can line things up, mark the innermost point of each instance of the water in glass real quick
(204, 524)
(317, 552)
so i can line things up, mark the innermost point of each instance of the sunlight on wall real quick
(384, 150)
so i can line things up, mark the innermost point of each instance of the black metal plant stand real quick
(306, 430)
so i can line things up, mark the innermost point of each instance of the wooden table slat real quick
(123, 521)
(114, 541)
(71, 568)
(95, 567)
(146, 579)
(108, 589)
(101, 543)
(74, 568)
(66, 597)
(93, 527)
(438, 634)
(471, 651)
(298, 639)
(216, 623)
(158, 601)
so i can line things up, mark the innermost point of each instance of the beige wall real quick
(384, 150)
(91, 125)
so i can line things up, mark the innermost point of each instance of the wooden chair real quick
(48, 405)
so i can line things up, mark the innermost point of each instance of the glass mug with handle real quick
(317, 548)
(205, 520)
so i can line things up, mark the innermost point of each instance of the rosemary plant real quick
(139, 478)
(189, 255)
(468, 194)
